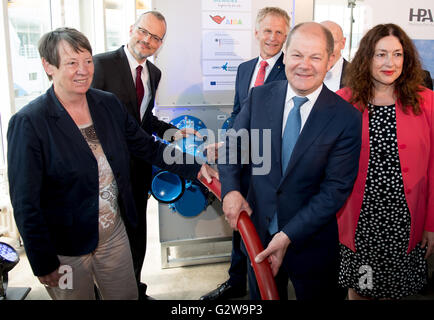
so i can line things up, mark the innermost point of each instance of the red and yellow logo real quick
(217, 19)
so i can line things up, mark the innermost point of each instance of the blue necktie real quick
(289, 139)
(292, 131)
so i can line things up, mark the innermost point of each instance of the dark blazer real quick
(344, 66)
(318, 178)
(242, 85)
(53, 174)
(427, 80)
(113, 74)
(244, 76)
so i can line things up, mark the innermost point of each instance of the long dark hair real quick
(408, 85)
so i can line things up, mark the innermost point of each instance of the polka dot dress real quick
(381, 267)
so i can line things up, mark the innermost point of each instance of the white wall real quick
(303, 11)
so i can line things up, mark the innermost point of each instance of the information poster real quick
(216, 68)
(226, 41)
(226, 45)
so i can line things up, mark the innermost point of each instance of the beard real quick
(138, 54)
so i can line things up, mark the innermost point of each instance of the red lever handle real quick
(264, 276)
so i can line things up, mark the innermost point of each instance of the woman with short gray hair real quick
(68, 168)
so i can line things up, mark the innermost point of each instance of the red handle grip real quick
(264, 276)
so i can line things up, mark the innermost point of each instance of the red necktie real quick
(261, 74)
(140, 90)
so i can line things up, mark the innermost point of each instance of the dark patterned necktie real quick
(140, 90)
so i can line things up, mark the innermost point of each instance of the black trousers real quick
(238, 268)
(141, 176)
(319, 285)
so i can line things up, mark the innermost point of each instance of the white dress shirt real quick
(333, 77)
(271, 62)
(305, 109)
(145, 79)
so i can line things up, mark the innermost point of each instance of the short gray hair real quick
(330, 43)
(156, 14)
(276, 11)
(48, 45)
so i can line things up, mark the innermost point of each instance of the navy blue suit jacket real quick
(344, 68)
(244, 76)
(242, 85)
(318, 179)
(53, 174)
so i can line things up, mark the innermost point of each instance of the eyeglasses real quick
(146, 33)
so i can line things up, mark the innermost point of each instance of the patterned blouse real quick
(109, 217)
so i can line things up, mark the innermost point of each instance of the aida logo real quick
(223, 20)
(217, 19)
(234, 21)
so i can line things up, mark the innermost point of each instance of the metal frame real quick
(167, 262)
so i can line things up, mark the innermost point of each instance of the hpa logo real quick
(421, 16)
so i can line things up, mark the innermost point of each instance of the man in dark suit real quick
(128, 74)
(306, 176)
(335, 76)
(427, 80)
(272, 27)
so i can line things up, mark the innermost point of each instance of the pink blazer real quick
(415, 135)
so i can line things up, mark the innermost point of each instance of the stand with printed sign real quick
(205, 42)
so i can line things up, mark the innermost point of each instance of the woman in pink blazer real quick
(386, 227)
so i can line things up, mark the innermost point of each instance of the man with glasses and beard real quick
(128, 74)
